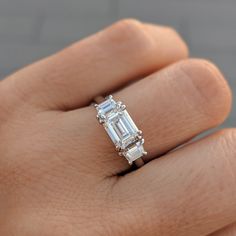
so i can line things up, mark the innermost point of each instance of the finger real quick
(188, 192)
(170, 107)
(99, 64)
(227, 231)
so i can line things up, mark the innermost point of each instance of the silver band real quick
(122, 130)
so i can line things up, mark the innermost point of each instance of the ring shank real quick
(139, 162)
(98, 99)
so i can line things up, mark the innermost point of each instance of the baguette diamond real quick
(121, 129)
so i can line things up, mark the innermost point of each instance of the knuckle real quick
(128, 26)
(132, 34)
(128, 23)
(170, 31)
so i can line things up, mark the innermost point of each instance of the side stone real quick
(134, 152)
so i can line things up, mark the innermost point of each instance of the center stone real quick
(121, 129)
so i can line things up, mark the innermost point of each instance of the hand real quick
(59, 172)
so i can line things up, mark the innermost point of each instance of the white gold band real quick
(120, 127)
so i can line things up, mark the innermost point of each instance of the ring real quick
(122, 130)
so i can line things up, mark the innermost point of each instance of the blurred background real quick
(32, 29)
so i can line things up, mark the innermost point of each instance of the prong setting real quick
(140, 137)
(120, 154)
(118, 148)
(127, 138)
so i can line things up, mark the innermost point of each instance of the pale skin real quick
(59, 172)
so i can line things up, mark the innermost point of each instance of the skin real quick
(59, 172)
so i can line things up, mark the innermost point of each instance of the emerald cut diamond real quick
(134, 152)
(106, 107)
(121, 129)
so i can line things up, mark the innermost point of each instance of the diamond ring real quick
(122, 130)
